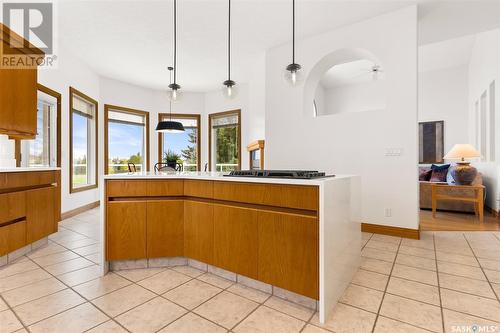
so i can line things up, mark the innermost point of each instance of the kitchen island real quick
(299, 238)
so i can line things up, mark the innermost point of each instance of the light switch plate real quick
(393, 151)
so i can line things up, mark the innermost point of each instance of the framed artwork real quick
(431, 142)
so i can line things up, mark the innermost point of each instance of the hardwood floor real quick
(451, 221)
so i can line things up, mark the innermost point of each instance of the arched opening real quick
(346, 80)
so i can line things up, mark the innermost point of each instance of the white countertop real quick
(220, 176)
(33, 169)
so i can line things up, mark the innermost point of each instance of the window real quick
(126, 139)
(83, 141)
(44, 150)
(224, 141)
(187, 144)
(484, 127)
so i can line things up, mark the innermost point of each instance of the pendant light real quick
(174, 94)
(293, 74)
(170, 126)
(229, 90)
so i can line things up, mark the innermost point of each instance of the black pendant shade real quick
(169, 126)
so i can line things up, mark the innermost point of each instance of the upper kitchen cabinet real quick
(18, 85)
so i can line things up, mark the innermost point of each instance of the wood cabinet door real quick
(126, 230)
(12, 237)
(199, 231)
(40, 213)
(18, 97)
(236, 239)
(165, 228)
(288, 252)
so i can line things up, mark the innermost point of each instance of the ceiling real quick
(131, 41)
(349, 73)
(446, 54)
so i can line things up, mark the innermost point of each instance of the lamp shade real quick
(170, 126)
(462, 151)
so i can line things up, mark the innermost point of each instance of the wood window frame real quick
(141, 113)
(58, 97)
(216, 115)
(196, 116)
(73, 91)
(256, 145)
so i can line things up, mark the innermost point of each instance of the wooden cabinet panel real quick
(13, 180)
(12, 237)
(236, 239)
(288, 196)
(18, 94)
(13, 206)
(18, 91)
(288, 252)
(57, 200)
(199, 188)
(40, 213)
(158, 188)
(165, 228)
(199, 231)
(126, 188)
(126, 230)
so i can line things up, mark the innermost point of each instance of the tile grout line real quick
(67, 287)
(385, 290)
(15, 314)
(439, 286)
(482, 270)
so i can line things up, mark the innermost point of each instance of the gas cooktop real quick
(295, 174)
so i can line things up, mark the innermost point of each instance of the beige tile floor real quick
(445, 282)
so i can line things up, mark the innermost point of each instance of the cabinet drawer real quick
(12, 237)
(161, 188)
(126, 188)
(199, 188)
(28, 179)
(288, 196)
(13, 206)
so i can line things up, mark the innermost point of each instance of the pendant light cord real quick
(293, 31)
(175, 40)
(229, 43)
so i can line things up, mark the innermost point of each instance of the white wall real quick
(74, 73)
(153, 101)
(354, 143)
(368, 96)
(443, 95)
(484, 67)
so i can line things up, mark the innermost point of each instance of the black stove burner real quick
(295, 174)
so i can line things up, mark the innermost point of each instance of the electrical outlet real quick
(388, 212)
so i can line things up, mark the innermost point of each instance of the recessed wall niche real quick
(348, 80)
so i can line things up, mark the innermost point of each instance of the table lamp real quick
(463, 173)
